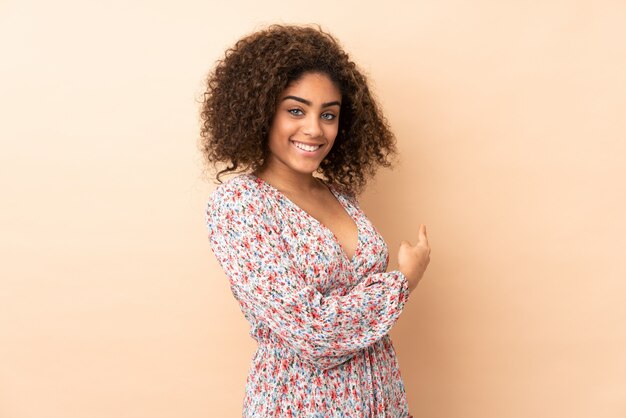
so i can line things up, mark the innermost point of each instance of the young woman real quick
(289, 112)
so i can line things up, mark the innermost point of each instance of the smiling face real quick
(305, 125)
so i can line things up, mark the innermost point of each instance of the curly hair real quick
(243, 90)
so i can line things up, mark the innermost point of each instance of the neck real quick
(288, 180)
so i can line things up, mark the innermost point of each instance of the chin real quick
(303, 167)
(306, 170)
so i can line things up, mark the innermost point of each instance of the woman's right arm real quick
(325, 330)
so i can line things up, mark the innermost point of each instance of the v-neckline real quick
(339, 198)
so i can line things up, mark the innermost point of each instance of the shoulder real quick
(239, 192)
(240, 196)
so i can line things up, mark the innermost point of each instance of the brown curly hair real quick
(242, 93)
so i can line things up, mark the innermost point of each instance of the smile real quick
(306, 147)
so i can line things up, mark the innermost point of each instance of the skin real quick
(308, 113)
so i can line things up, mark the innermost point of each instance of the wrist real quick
(411, 279)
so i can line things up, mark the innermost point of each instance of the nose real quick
(312, 126)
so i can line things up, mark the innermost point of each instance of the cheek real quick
(277, 132)
(330, 132)
(282, 127)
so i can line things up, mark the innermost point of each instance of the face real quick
(305, 125)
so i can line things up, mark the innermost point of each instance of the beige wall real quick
(510, 118)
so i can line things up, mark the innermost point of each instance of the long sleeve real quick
(325, 330)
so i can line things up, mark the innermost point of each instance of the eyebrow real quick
(308, 102)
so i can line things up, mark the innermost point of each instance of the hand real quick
(413, 259)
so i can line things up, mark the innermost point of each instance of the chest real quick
(333, 217)
(332, 252)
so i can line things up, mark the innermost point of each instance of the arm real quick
(326, 331)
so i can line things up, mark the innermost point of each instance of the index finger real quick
(422, 231)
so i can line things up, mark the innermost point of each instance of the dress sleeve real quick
(325, 330)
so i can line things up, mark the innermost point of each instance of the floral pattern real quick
(321, 320)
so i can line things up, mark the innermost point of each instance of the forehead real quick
(313, 86)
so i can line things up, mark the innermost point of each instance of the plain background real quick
(511, 124)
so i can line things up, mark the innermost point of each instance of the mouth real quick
(308, 148)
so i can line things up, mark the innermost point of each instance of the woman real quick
(289, 111)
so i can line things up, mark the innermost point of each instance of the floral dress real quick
(321, 320)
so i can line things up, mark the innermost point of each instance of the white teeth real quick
(306, 147)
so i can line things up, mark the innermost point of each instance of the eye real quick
(328, 116)
(295, 112)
